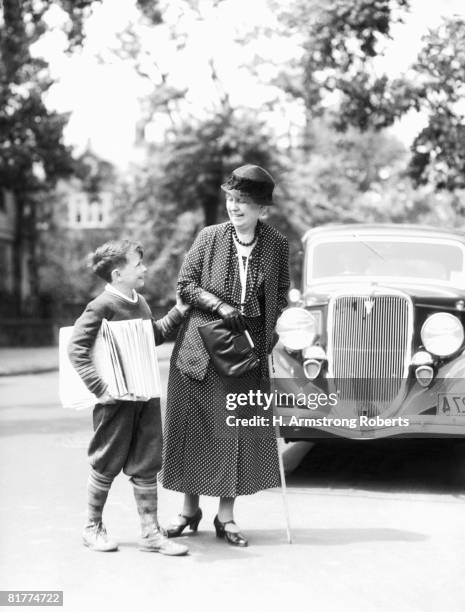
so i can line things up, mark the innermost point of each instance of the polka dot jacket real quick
(206, 267)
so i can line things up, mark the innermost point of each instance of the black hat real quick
(251, 183)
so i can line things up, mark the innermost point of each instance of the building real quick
(90, 196)
(82, 214)
(86, 210)
(43, 270)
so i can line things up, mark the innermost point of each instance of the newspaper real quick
(125, 357)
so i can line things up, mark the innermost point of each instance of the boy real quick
(127, 435)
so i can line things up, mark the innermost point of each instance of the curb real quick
(47, 369)
(32, 370)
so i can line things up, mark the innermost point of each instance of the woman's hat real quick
(250, 183)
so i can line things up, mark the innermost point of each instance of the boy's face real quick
(131, 276)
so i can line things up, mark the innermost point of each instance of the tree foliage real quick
(31, 135)
(33, 155)
(339, 40)
(151, 10)
(344, 177)
(201, 156)
(438, 155)
(147, 216)
(200, 146)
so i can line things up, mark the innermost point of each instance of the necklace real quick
(254, 267)
(245, 244)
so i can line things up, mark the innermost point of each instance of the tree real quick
(33, 155)
(343, 177)
(438, 155)
(155, 222)
(200, 147)
(203, 154)
(340, 39)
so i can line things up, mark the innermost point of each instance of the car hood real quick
(421, 293)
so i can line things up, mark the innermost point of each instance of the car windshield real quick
(367, 256)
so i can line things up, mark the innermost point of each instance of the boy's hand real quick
(180, 305)
(106, 398)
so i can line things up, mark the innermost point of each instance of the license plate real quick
(451, 404)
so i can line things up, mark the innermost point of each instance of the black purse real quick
(231, 352)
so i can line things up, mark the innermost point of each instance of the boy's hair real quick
(111, 255)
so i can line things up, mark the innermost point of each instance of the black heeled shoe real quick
(231, 537)
(173, 531)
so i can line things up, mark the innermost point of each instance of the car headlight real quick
(296, 328)
(442, 334)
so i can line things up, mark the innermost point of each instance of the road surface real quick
(375, 527)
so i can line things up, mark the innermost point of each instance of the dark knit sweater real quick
(113, 308)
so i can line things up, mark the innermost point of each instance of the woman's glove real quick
(232, 318)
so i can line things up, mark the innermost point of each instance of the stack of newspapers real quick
(125, 357)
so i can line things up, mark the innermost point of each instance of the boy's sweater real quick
(113, 308)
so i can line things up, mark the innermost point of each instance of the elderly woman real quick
(237, 271)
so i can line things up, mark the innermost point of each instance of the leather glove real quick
(232, 318)
(207, 301)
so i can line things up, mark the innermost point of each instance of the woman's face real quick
(243, 215)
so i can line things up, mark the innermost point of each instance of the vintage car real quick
(373, 343)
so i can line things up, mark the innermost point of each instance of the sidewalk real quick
(34, 360)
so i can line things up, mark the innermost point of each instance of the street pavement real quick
(378, 527)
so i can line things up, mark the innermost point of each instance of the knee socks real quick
(98, 486)
(145, 492)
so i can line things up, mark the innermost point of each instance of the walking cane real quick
(281, 464)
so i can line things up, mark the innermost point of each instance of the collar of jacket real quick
(217, 270)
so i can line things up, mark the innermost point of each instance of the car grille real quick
(369, 340)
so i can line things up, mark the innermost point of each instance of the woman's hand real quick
(180, 305)
(232, 317)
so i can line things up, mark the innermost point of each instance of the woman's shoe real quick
(232, 537)
(175, 529)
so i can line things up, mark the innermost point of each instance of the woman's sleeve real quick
(283, 278)
(191, 270)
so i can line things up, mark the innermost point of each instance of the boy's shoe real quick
(95, 537)
(153, 540)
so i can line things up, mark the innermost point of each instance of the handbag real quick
(231, 352)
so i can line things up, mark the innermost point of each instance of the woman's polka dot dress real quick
(202, 455)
